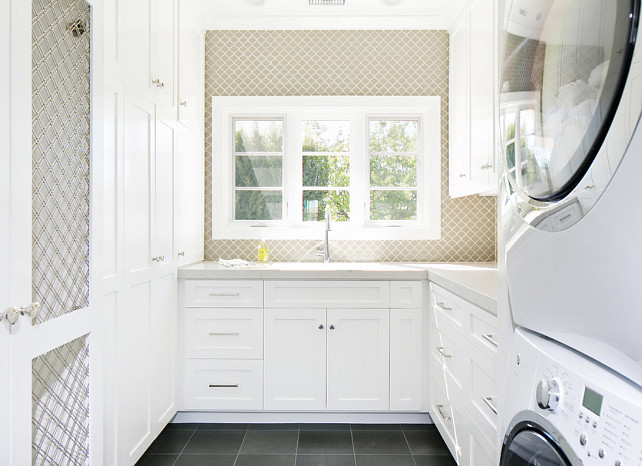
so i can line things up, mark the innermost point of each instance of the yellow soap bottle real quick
(263, 254)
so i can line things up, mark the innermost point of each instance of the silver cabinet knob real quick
(160, 258)
(31, 310)
(181, 253)
(321, 327)
(11, 315)
(462, 175)
(331, 326)
(486, 166)
(183, 103)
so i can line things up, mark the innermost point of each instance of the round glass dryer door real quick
(531, 448)
(566, 67)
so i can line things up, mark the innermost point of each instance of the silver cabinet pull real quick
(443, 307)
(489, 338)
(462, 175)
(183, 103)
(489, 402)
(160, 258)
(486, 166)
(31, 310)
(181, 254)
(223, 385)
(441, 350)
(225, 334)
(332, 327)
(321, 327)
(11, 315)
(156, 81)
(439, 408)
(223, 295)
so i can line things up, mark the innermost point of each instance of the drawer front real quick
(483, 400)
(223, 384)
(440, 409)
(328, 294)
(454, 353)
(482, 331)
(475, 448)
(448, 307)
(223, 293)
(235, 333)
(405, 295)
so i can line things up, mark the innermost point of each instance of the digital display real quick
(592, 401)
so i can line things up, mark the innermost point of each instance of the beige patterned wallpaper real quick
(377, 63)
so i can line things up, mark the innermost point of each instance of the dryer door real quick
(532, 448)
(565, 69)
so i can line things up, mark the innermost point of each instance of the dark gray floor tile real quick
(385, 460)
(426, 443)
(226, 443)
(268, 460)
(206, 460)
(157, 460)
(274, 426)
(221, 426)
(269, 443)
(434, 460)
(305, 427)
(170, 442)
(324, 442)
(181, 426)
(376, 427)
(369, 442)
(325, 460)
(418, 427)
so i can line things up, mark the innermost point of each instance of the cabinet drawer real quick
(235, 333)
(440, 409)
(223, 293)
(405, 295)
(448, 307)
(327, 294)
(223, 384)
(453, 351)
(482, 331)
(483, 393)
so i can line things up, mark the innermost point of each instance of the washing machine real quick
(570, 198)
(567, 410)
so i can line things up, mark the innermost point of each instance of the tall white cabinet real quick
(153, 213)
(474, 69)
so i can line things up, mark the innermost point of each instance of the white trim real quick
(257, 22)
(302, 417)
(358, 110)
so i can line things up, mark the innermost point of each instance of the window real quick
(373, 161)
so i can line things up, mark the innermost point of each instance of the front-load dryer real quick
(563, 409)
(570, 202)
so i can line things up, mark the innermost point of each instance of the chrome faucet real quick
(326, 247)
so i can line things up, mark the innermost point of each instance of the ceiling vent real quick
(327, 2)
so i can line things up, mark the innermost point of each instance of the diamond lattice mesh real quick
(377, 63)
(60, 119)
(60, 405)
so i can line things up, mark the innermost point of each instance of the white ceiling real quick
(298, 14)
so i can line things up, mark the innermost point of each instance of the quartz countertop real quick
(475, 282)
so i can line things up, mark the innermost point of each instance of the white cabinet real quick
(358, 359)
(463, 376)
(473, 99)
(190, 75)
(406, 356)
(295, 359)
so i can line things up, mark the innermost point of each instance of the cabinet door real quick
(358, 359)
(405, 359)
(189, 197)
(482, 90)
(138, 46)
(190, 73)
(295, 359)
(459, 107)
(164, 162)
(164, 54)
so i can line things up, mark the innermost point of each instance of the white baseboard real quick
(301, 417)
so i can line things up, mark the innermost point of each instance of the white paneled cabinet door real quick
(358, 359)
(190, 72)
(50, 175)
(295, 359)
(136, 44)
(164, 54)
(405, 359)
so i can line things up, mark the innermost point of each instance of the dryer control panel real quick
(596, 411)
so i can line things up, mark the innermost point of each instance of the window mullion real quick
(293, 180)
(358, 169)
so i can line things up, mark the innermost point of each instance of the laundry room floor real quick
(297, 444)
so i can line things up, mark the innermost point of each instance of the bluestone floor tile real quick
(325, 443)
(170, 441)
(156, 460)
(206, 460)
(434, 460)
(426, 443)
(269, 443)
(273, 460)
(370, 442)
(226, 443)
(385, 460)
(325, 460)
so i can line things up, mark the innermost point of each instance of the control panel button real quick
(618, 463)
(583, 439)
(594, 424)
(601, 453)
(581, 415)
(587, 420)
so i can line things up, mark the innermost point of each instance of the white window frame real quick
(359, 110)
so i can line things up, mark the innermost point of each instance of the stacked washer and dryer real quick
(570, 233)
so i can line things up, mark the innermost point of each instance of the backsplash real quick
(398, 63)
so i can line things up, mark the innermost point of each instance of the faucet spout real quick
(326, 246)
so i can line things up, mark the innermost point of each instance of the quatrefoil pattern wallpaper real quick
(377, 63)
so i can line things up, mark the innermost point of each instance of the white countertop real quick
(475, 282)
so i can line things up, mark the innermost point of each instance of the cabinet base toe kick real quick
(300, 417)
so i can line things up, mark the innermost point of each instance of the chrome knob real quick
(321, 327)
(486, 166)
(548, 394)
(184, 103)
(331, 326)
(583, 439)
(462, 175)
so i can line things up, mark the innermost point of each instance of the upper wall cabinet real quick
(190, 72)
(473, 97)
(141, 48)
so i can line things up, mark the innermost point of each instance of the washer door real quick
(532, 448)
(565, 69)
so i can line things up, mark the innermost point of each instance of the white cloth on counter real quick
(236, 263)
